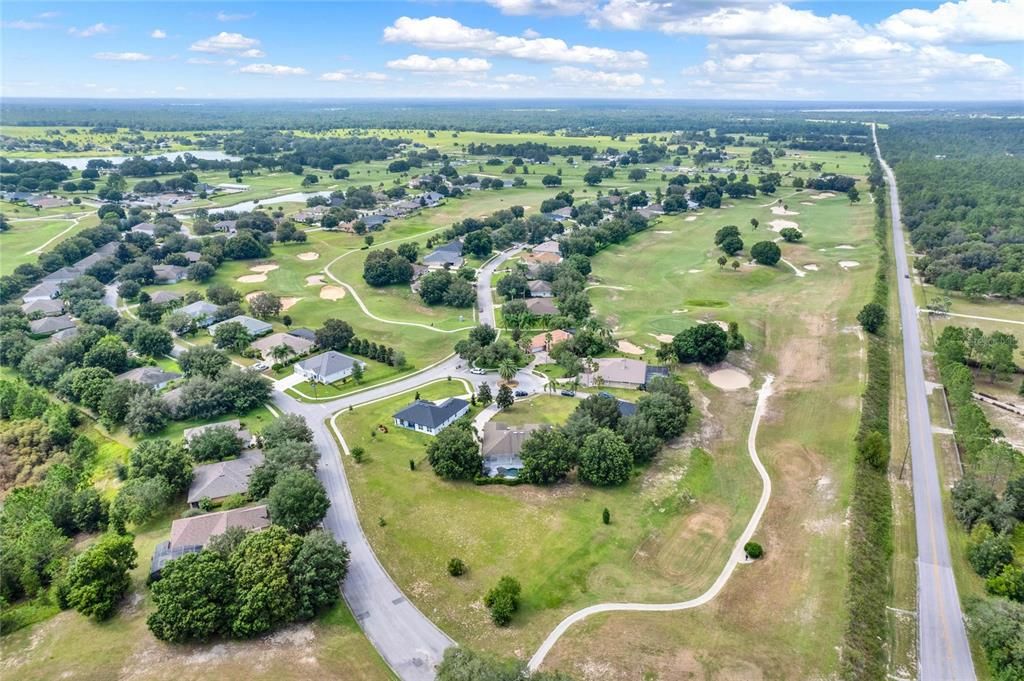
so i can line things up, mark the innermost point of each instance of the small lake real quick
(249, 206)
(79, 163)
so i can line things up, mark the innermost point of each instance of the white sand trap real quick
(823, 195)
(662, 337)
(268, 267)
(779, 225)
(629, 348)
(845, 247)
(806, 203)
(288, 303)
(724, 326)
(662, 231)
(812, 268)
(729, 379)
(693, 271)
(315, 280)
(681, 311)
(250, 296)
(332, 293)
(308, 255)
(847, 264)
(252, 278)
(689, 218)
(781, 210)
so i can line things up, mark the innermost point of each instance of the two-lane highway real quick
(943, 651)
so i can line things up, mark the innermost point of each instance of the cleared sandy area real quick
(267, 267)
(779, 225)
(729, 379)
(812, 268)
(662, 337)
(782, 210)
(250, 296)
(332, 293)
(288, 303)
(308, 255)
(315, 280)
(847, 264)
(252, 278)
(629, 348)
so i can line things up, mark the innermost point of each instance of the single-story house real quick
(655, 370)
(90, 260)
(64, 274)
(229, 187)
(501, 446)
(48, 201)
(49, 325)
(541, 307)
(201, 312)
(190, 535)
(432, 198)
(617, 372)
(48, 307)
(297, 346)
(549, 246)
(172, 398)
(539, 343)
(374, 221)
(427, 417)
(154, 377)
(255, 327)
(560, 214)
(145, 228)
(651, 211)
(193, 256)
(540, 289)
(64, 335)
(219, 480)
(300, 332)
(225, 226)
(448, 255)
(164, 297)
(170, 274)
(327, 367)
(234, 424)
(542, 258)
(46, 290)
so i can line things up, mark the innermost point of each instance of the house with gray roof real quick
(90, 260)
(145, 228)
(255, 327)
(541, 307)
(621, 372)
(430, 418)
(64, 335)
(49, 325)
(193, 256)
(374, 221)
(48, 307)
(540, 289)
(501, 446)
(190, 535)
(234, 424)
(42, 291)
(219, 480)
(301, 332)
(296, 345)
(327, 367)
(169, 274)
(201, 312)
(164, 297)
(448, 255)
(64, 274)
(153, 377)
(225, 226)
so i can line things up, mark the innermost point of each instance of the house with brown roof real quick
(541, 307)
(540, 289)
(616, 372)
(190, 535)
(539, 343)
(542, 258)
(295, 344)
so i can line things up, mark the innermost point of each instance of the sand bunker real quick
(724, 326)
(287, 303)
(332, 293)
(823, 195)
(812, 268)
(690, 218)
(847, 264)
(729, 379)
(662, 337)
(779, 225)
(268, 267)
(693, 271)
(252, 278)
(662, 231)
(250, 296)
(845, 247)
(308, 255)
(629, 348)
(315, 280)
(806, 203)
(781, 210)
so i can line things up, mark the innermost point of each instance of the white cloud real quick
(89, 31)
(202, 61)
(445, 33)
(349, 75)
(158, 34)
(180, 88)
(225, 42)
(778, 22)
(21, 25)
(335, 76)
(253, 54)
(122, 56)
(572, 75)
(273, 70)
(521, 7)
(530, 33)
(48, 15)
(515, 78)
(424, 64)
(224, 16)
(965, 21)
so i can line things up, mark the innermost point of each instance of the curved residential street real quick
(943, 651)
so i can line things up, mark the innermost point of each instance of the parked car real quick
(606, 394)
(521, 393)
(478, 371)
(260, 366)
(569, 393)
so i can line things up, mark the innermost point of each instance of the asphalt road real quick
(943, 651)
(485, 277)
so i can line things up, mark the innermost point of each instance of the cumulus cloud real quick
(224, 16)
(515, 78)
(122, 56)
(522, 7)
(445, 33)
(225, 42)
(180, 88)
(348, 75)
(158, 34)
(253, 54)
(966, 21)
(89, 31)
(273, 70)
(573, 75)
(425, 64)
(778, 22)
(22, 25)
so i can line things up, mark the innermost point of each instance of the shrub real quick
(456, 568)
(753, 550)
(503, 600)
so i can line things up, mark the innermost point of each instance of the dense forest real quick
(962, 190)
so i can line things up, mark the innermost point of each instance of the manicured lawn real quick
(25, 236)
(538, 409)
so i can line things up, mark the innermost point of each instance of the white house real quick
(327, 367)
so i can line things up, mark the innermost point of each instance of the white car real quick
(260, 366)
(478, 371)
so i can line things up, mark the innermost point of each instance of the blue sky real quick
(730, 49)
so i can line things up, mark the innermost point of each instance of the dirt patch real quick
(288, 303)
(662, 337)
(308, 255)
(805, 360)
(779, 225)
(782, 210)
(315, 280)
(264, 268)
(847, 264)
(629, 348)
(729, 379)
(333, 293)
(252, 278)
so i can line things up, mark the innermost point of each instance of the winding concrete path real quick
(974, 316)
(735, 558)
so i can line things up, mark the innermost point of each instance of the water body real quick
(249, 206)
(81, 162)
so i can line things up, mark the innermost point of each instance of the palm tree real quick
(280, 352)
(507, 370)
